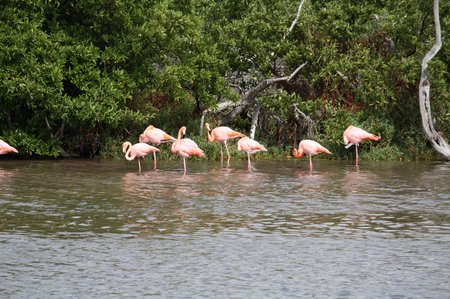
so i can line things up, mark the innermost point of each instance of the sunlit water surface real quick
(89, 229)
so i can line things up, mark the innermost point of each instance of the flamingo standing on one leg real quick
(354, 136)
(185, 148)
(222, 134)
(155, 136)
(311, 148)
(6, 148)
(138, 150)
(249, 146)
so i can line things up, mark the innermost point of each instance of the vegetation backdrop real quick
(78, 78)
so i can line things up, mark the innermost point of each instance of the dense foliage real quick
(80, 77)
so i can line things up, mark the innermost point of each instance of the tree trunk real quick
(255, 116)
(437, 141)
(304, 123)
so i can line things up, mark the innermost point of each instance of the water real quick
(90, 229)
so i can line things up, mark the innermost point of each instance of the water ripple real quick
(99, 229)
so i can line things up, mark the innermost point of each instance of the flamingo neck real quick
(127, 148)
(210, 136)
(179, 134)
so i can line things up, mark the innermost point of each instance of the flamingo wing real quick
(187, 147)
(250, 146)
(155, 136)
(225, 133)
(143, 149)
(6, 148)
(312, 147)
(356, 135)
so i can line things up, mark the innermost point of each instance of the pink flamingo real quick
(185, 148)
(222, 134)
(354, 136)
(155, 136)
(6, 148)
(250, 146)
(311, 148)
(138, 150)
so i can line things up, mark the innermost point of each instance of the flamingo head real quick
(298, 153)
(207, 127)
(183, 130)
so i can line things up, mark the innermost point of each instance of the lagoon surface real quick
(99, 229)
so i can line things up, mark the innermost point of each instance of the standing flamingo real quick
(222, 134)
(155, 136)
(138, 150)
(6, 148)
(311, 148)
(249, 146)
(185, 148)
(354, 136)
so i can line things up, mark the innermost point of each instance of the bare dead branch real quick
(255, 116)
(305, 121)
(250, 98)
(436, 140)
(296, 18)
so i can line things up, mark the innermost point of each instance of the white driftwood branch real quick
(255, 116)
(296, 71)
(250, 98)
(296, 18)
(220, 107)
(437, 141)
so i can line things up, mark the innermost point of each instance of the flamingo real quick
(185, 148)
(311, 148)
(155, 136)
(354, 136)
(250, 146)
(222, 134)
(138, 150)
(6, 148)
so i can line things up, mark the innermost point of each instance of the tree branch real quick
(436, 140)
(308, 122)
(255, 116)
(250, 98)
(296, 18)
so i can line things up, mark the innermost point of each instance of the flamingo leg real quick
(221, 154)
(356, 147)
(154, 160)
(139, 163)
(184, 165)
(310, 164)
(228, 153)
(249, 164)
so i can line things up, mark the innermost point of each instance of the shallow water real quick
(93, 229)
